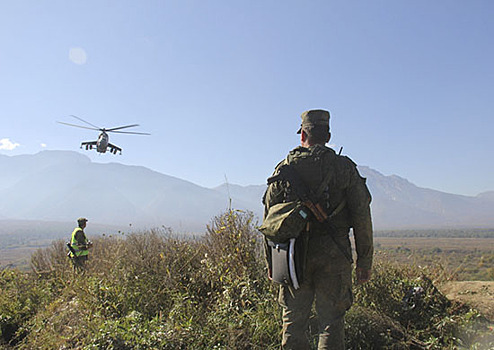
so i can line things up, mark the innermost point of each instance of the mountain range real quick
(60, 186)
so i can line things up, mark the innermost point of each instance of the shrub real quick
(21, 297)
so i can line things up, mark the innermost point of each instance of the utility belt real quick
(317, 229)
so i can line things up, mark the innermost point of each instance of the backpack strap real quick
(323, 184)
(321, 189)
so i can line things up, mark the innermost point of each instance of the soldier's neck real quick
(307, 144)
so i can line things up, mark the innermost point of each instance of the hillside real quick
(399, 204)
(63, 185)
(153, 290)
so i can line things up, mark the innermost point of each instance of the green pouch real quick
(284, 221)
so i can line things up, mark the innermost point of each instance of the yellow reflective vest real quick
(75, 245)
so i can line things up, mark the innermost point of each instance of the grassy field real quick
(19, 254)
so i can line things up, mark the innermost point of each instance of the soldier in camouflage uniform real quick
(327, 277)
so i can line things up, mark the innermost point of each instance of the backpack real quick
(288, 219)
(285, 221)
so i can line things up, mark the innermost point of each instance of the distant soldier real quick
(79, 245)
(343, 196)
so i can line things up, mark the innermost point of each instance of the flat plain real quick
(462, 258)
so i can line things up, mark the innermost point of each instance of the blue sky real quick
(221, 84)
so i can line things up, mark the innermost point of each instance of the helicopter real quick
(103, 143)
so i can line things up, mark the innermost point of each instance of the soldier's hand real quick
(363, 275)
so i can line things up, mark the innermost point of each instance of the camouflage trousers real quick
(328, 283)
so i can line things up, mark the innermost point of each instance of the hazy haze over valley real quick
(60, 186)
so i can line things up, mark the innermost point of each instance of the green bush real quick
(21, 297)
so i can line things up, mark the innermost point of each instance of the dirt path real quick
(478, 294)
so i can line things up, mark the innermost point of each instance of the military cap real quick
(82, 220)
(314, 117)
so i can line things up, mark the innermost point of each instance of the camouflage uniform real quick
(327, 277)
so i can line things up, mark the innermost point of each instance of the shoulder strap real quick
(321, 189)
(324, 184)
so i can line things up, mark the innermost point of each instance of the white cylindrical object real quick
(291, 264)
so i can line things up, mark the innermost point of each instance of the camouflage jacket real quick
(346, 190)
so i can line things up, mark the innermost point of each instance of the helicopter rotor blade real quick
(129, 132)
(88, 123)
(79, 126)
(122, 127)
(94, 127)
